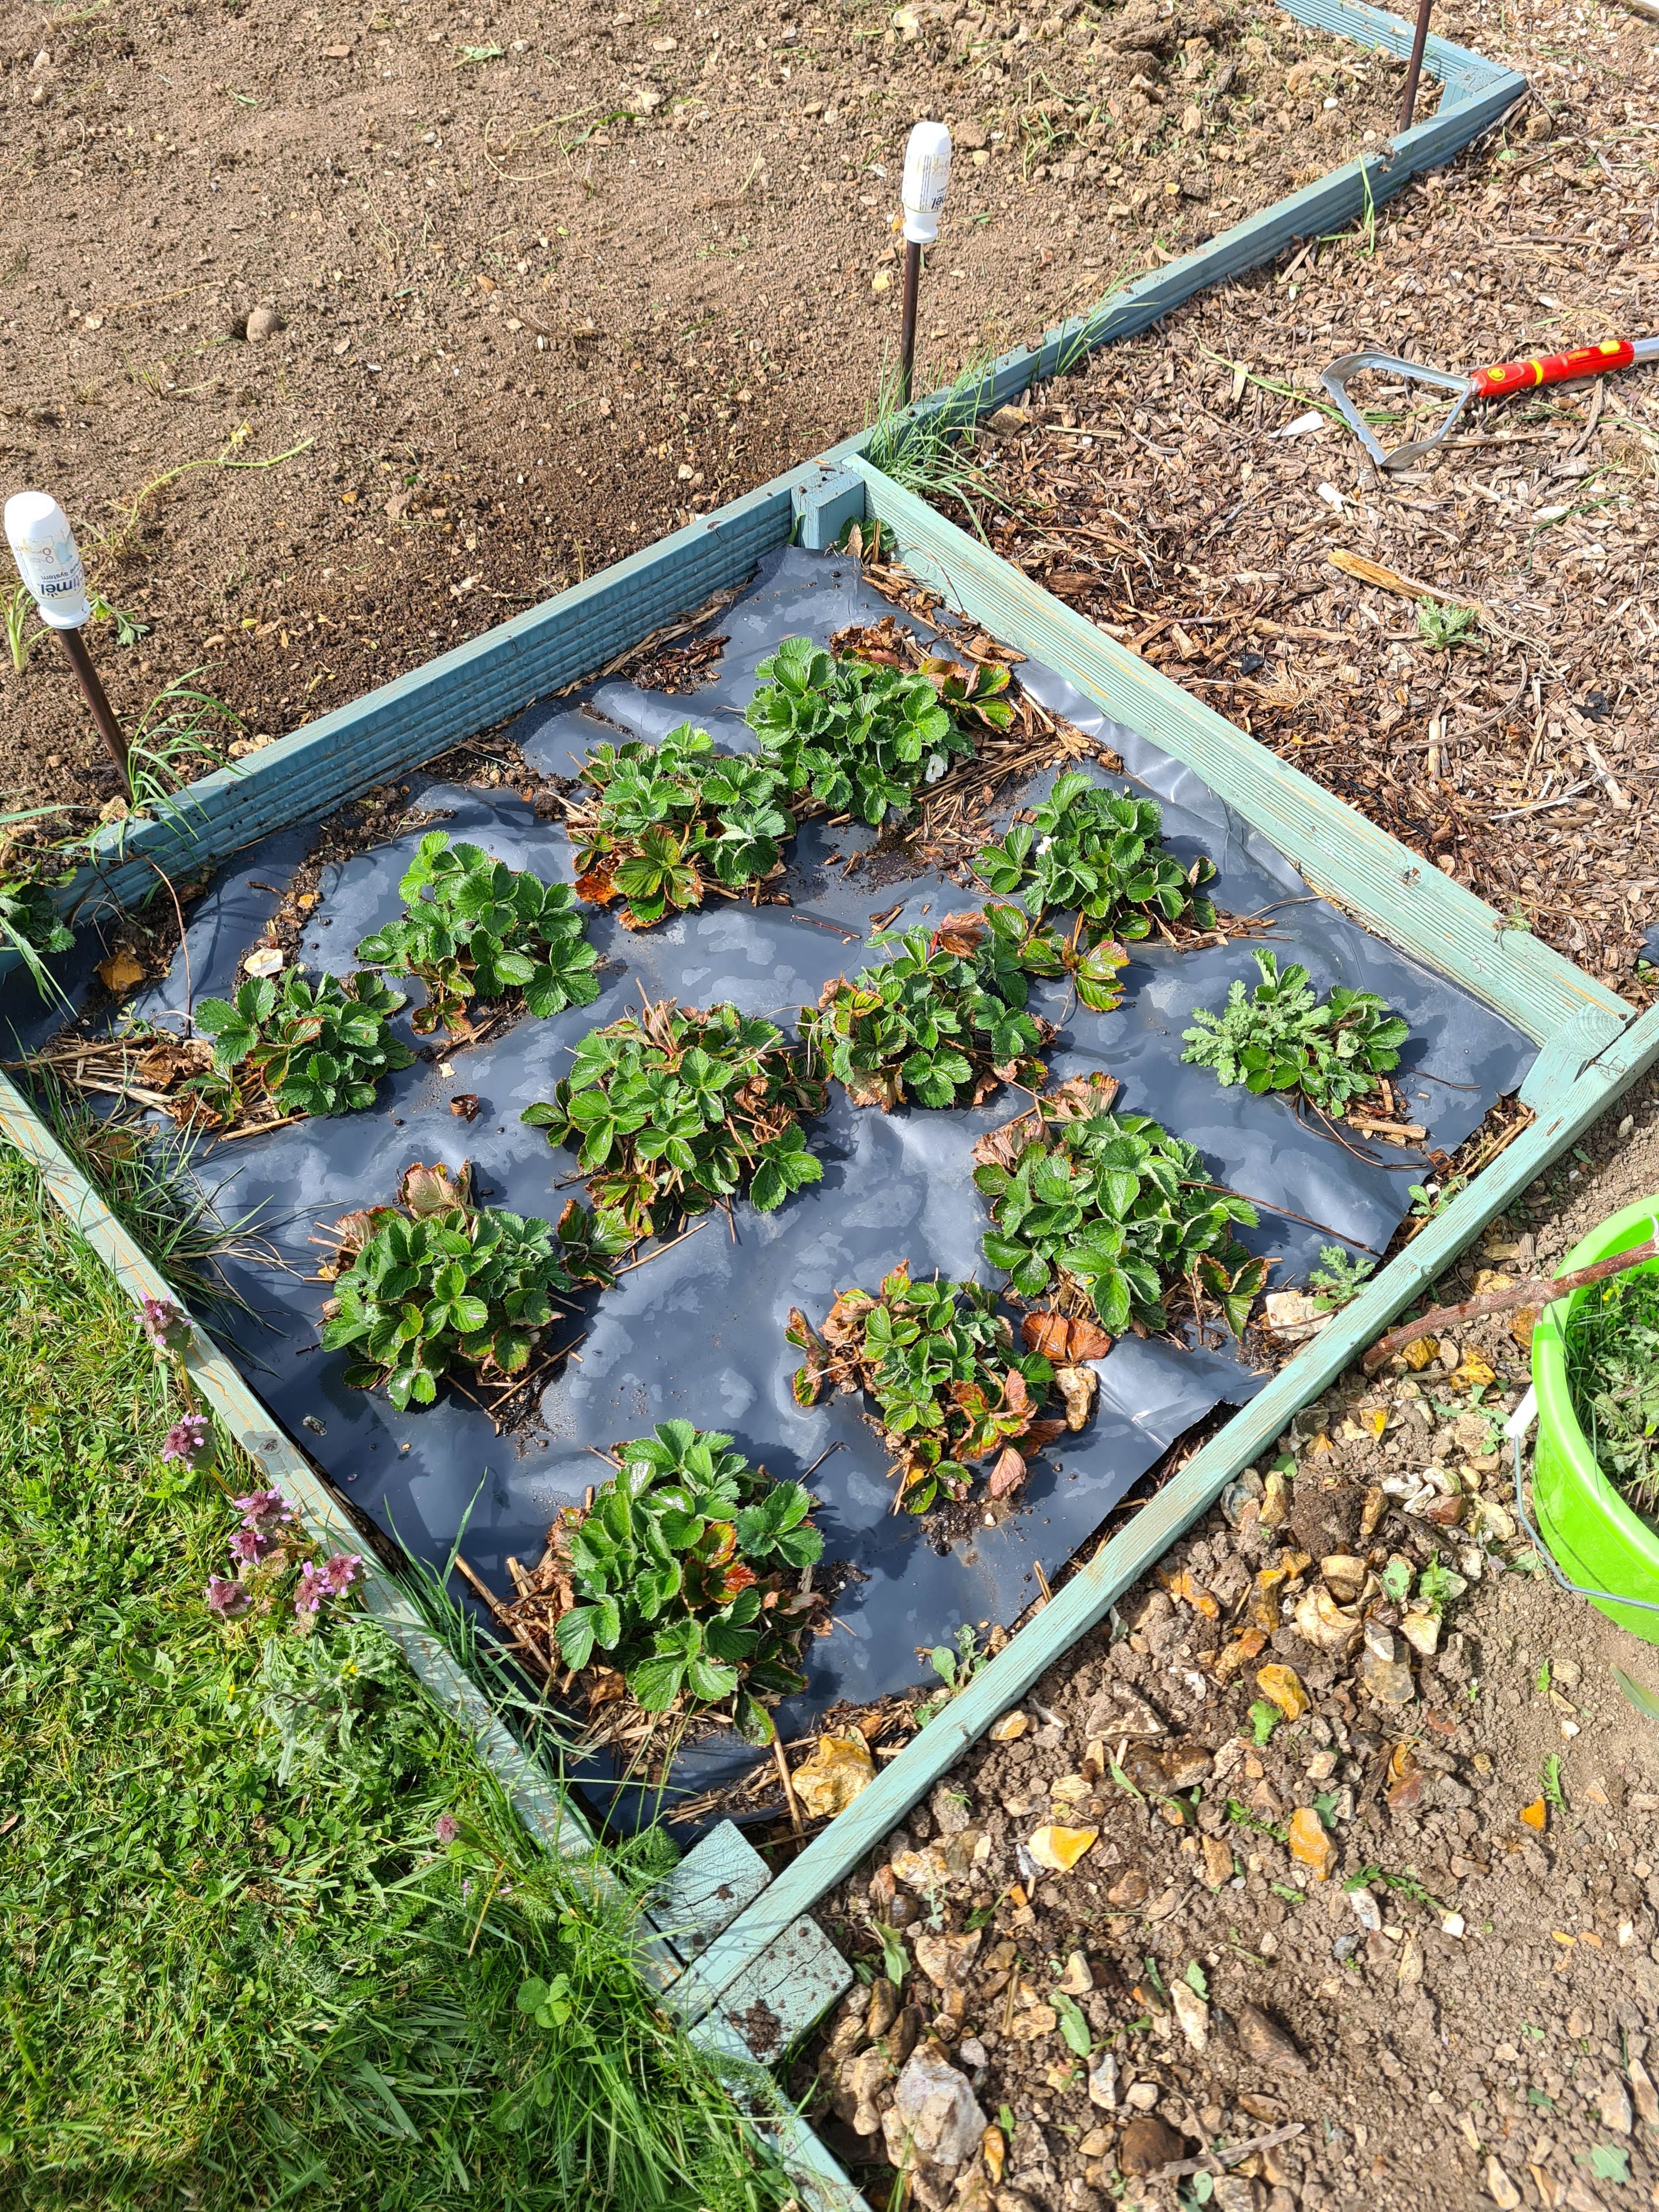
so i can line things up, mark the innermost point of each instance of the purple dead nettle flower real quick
(226, 1599)
(260, 1507)
(164, 1325)
(448, 1828)
(250, 1546)
(189, 1439)
(333, 1579)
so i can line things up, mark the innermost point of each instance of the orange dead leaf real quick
(1535, 1816)
(596, 887)
(1007, 1475)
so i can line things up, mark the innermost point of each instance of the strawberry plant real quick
(474, 928)
(950, 1389)
(684, 1576)
(678, 1110)
(945, 1020)
(436, 1282)
(298, 1047)
(1107, 1212)
(663, 821)
(1101, 854)
(861, 738)
(1279, 1036)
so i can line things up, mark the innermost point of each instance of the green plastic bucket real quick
(1595, 1538)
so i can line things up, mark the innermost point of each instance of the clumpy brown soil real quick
(1192, 493)
(537, 291)
(1466, 2011)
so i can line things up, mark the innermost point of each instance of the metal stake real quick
(1415, 67)
(102, 712)
(908, 319)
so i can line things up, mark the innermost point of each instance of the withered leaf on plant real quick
(950, 1388)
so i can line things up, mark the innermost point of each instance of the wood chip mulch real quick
(1195, 495)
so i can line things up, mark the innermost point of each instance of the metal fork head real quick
(1335, 381)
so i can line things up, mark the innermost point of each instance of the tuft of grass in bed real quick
(922, 447)
(220, 1992)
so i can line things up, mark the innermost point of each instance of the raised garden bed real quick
(861, 1154)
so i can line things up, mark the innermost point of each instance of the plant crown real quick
(473, 927)
(861, 738)
(1115, 1210)
(1279, 1038)
(306, 1048)
(1100, 852)
(684, 1575)
(950, 1388)
(666, 818)
(943, 1020)
(444, 1282)
(678, 1109)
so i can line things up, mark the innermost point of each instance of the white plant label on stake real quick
(926, 175)
(43, 545)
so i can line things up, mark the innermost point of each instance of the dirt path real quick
(344, 335)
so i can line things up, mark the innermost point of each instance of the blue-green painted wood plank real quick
(1390, 889)
(1565, 1054)
(781, 1992)
(719, 1877)
(1075, 1608)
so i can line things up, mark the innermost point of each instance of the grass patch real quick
(223, 1988)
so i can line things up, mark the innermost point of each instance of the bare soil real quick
(1488, 697)
(525, 295)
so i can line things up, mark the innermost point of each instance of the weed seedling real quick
(664, 821)
(1279, 1036)
(955, 1667)
(950, 1390)
(1110, 1211)
(443, 1283)
(684, 1575)
(1101, 854)
(1338, 1278)
(179, 736)
(298, 1047)
(943, 1020)
(1443, 626)
(474, 928)
(677, 1110)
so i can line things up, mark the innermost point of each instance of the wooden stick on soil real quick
(788, 1781)
(1540, 1291)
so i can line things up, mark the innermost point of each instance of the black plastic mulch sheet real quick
(697, 1331)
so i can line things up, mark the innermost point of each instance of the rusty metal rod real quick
(1415, 67)
(102, 712)
(908, 321)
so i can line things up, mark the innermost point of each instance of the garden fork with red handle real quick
(1495, 383)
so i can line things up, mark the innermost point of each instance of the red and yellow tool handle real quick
(1509, 376)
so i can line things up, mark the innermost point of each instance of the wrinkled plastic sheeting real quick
(696, 1330)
